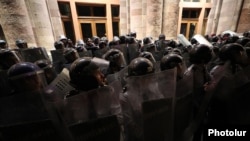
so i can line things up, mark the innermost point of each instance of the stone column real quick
(211, 16)
(154, 18)
(41, 23)
(244, 21)
(123, 17)
(55, 18)
(170, 18)
(136, 17)
(229, 15)
(15, 22)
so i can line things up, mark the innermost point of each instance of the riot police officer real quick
(116, 59)
(148, 55)
(86, 75)
(26, 77)
(49, 71)
(171, 61)
(70, 56)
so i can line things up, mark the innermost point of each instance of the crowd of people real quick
(179, 87)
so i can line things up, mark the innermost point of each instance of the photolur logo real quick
(227, 133)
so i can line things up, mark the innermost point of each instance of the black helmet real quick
(170, 61)
(246, 34)
(8, 58)
(3, 44)
(59, 45)
(243, 41)
(122, 39)
(177, 51)
(162, 37)
(96, 40)
(26, 76)
(148, 55)
(49, 71)
(133, 34)
(140, 66)
(116, 58)
(200, 54)
(228, 52)
(70, 55)
(21, 43)
(147, 40)
(82, 74)
(150, 47)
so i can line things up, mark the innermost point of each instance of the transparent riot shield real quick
(105, 128)
(59, 87)
(183, 105)
(120, 76)
(89, 105)
(201, 40)
(124, 49)
(133, 51)
(4, 84)
(102, 63)
(93, 109)
(25, 116)
(34, 54)
(151, 90)
(157, 66)
(58, 60)
(183, 40)
(85, 53)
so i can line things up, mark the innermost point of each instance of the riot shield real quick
(124, 49)
(157, 55)
(201, 40)
(103, 64)
(105, 128)
(120, 76)
(158, 119)
(133, 51)
(25, 116)
(87, 53)
(229, 32)
(100, 52)
(59, 87)
(183, 40)
(89, 105)
(145, 89)
(34, 54)
(183, 105)
(58, 60)
(157, 66)
(4, 84)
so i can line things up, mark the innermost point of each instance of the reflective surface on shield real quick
(183, 40)
(34, 54)
(120, 76)
(149, 88)
(105, 128)
(133, 51)
(102, 63)
(183, 105)
(158, 119)
(124, 49)
(4, 84)
(230, 32)
(26, 116)
(59, 87)
(201, 40)
(58, 60)
(90, 105)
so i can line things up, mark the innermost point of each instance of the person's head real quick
(116, 40)
(148, 55)
(59, 45)
(116, 59)
(122, 39)
(3, 44)
(246, 34)
(26, 77)
(8, 58)
(200, 54)
(140, 66)
(63, 39)
(21, 44)
(89, 41)
(147, 40)
(133, 34)
(171, 61)
(70, 55)
(233, 52)
(162, 37)
(243, 41)
(86, 75)
(49, 71)
(177, 51)
(151, 47)
(96, 40)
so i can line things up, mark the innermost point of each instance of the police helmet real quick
(170, 61)
(228, 52)
(200, 54)
(140, 66)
